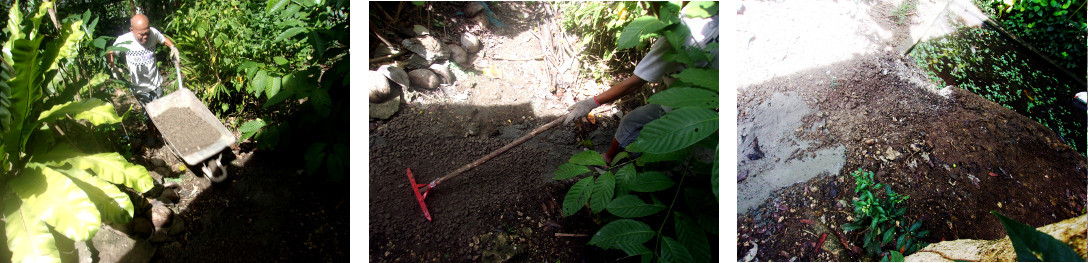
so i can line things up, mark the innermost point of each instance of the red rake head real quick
(416, 188)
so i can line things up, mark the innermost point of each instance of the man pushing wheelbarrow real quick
(182, 120)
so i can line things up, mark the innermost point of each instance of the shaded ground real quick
(955, 154)
(507, 209)
(266, 210)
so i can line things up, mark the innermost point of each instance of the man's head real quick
(140, 28)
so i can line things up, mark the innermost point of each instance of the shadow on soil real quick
(505, 209)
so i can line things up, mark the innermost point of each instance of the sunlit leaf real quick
(28, 237)
(630, 206)
(603, 188)
(677, 129)
(636, 29)
(588, 157)
(57, 201)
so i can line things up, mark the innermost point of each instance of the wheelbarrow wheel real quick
(215, 171)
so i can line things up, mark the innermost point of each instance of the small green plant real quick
(1027, 242)
(882, 219)
(905, 10)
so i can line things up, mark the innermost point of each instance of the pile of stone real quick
(425, 69)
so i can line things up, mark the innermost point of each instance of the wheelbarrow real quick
(190, 130)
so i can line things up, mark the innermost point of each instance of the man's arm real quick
(627, 86)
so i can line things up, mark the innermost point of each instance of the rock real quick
(414, 61)
(383, 111)
(378, 87)
(171, 185)
(83, 251)
(751, 255)
(156, 162)
(444, 72)
(381, 51)
(396, 74)
(870, 141)
(891, 154)
(1069, 231)
(423, 79)
(160, 236)
(177, 227)
(429, 47)
(458, 54)
(481, 20)
(115, 247)
(421, 30)
(473, 8)
(169, 196)
(470, 42)
(160, 215)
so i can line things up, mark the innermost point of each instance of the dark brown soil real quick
(186, 131)
(982, 156)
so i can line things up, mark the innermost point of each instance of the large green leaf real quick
(321, 102)
(701, 9)
(630, 206)
(624, 174)
(568, 170)
(577, 196)
(1027, 241)
(249, 128)
(693, 237)
(686, 97)
(273, 87)
(623, 232)
(291, 32)
(273, 6)
(65, 48)
(652, 181)
(113, 205)
(258, 83)
(678, 155)
(603, 188)
(114, 168)
(634, 31)
(94, 110)
(633, 249)
(27, 236)
(588, 157)
(674, 251)
(706, 78)
(677, 129)
(57, 201)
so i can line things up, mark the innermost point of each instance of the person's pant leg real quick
(147, 93)
(632, 123)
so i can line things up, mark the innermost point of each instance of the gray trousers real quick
(632, 123)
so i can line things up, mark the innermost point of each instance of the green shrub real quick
(1055, 27)
(667, 172)
(882, 219)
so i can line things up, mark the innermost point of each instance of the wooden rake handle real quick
(487, 157)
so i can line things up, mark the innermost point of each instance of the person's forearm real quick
(168, 42)
(109, 58)
(627, 86)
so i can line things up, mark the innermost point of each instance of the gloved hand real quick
(174, 53)
(117, 72)
(581, 109)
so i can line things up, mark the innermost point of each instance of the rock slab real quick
(115, 247)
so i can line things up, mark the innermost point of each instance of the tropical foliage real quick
(52, 187)
(286, 78)
(669, 194)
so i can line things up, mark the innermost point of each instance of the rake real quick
(421, 190)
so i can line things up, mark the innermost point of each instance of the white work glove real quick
(581, 109)
(174, 53)
(117, 72)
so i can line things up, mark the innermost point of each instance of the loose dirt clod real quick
(186, 131)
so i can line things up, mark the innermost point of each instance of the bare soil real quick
(267, 210)
(507, 209)
(957, 155)
(186, 130)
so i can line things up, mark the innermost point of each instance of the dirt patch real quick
(187, 131)
(507, 209)
(955, 154)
